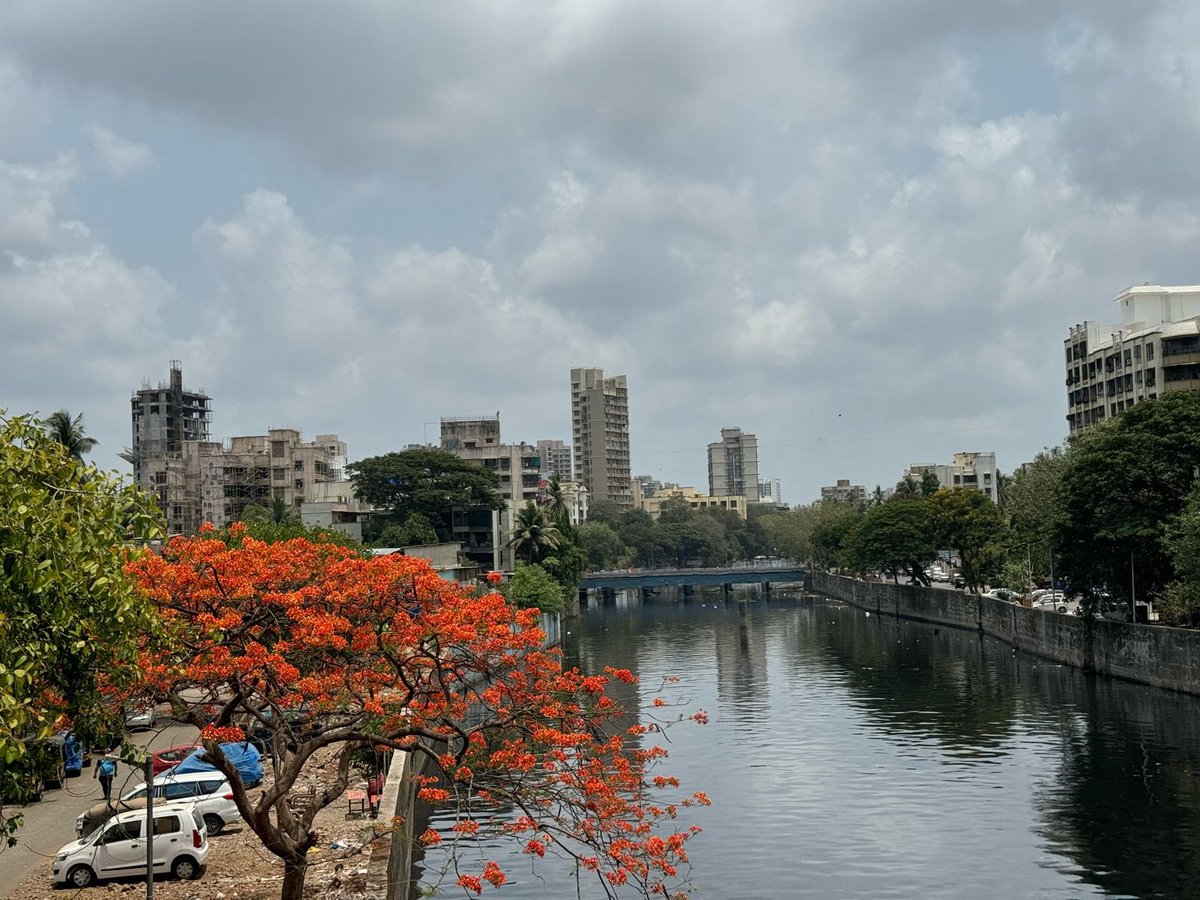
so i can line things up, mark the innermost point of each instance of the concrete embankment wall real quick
(1163, 657)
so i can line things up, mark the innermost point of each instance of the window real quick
(277, 449)
(179, 790)
(1137, 351)
(1138, 377)
(167, 825)
(123, 831)
(209, 787)
(1128, 358)
(1149, 352)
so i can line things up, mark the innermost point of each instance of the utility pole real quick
(1132, 591)
(149, 828)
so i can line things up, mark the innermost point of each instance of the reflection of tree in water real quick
(916, 679)
(1124, 799)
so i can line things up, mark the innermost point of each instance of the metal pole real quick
(1050, 550)
(1132, 591)
(149, 828)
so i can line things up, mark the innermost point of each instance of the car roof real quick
(207, 775)
(174, 806)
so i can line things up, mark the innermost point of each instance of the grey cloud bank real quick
(858, 230)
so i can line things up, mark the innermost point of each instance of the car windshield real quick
(136, 794)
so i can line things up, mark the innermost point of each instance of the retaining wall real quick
(1150, 654)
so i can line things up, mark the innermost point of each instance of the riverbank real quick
(1148, 654)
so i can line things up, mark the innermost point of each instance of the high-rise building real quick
(600, 432)
(844, 491)
(556, 458)
(164, 417)
(1155, 350)
(733, 465)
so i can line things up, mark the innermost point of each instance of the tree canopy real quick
(69, 432)
(896, 538)
(332, 652)
(968, 522)
(426, 481)
(68, 613)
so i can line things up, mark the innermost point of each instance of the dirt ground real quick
(239, 868)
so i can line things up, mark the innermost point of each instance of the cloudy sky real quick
(858, 228)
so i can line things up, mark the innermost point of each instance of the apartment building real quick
(519, 468)
(556, 459)
(164, 418)
(770, 491)
(653, 503)
(1154, 350)
(968, 469)
(844, 491)
(733, 465)
(600, 435)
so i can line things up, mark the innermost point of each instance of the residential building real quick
(969, 469)
(769, 491)
(163, 418)
(844, 490)
(1154, 350)
(695, 499)
(575, 495)
(556, 459)
(256, 469)
(519, 469)
(450, 560)
(600, 435)
(332, 505)
(733, 465)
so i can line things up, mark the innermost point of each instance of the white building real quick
(770, 491)
(969, 469)
(1154, 350)
(844, 491)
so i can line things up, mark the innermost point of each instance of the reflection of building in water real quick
(742, 665)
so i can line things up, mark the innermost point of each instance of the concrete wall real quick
(1149, 654)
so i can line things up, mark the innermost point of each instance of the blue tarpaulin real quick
(244, 756)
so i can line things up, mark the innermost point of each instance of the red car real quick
(161, 760)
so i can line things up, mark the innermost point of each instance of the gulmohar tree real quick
(67, 610)
(331, 652)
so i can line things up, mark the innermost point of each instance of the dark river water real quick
(853, 756)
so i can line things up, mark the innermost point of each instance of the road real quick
(51, 823)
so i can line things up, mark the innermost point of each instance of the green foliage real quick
(60, 427)
(534, 534)
(1122, 483)
(603, 545)
(929, 484)
(815, 533)
(907, 488)
(896, 538)
(426, 481)
(1032, 506)
(68, 613)
(1179, 603)
(413, 531)
(968, 521)
(606, 511)
(567, 564)
(278, 512)
(533, 586)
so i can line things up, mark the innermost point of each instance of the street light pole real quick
(1132, 591)
(149, 828)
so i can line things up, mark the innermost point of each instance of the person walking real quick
(106, 770)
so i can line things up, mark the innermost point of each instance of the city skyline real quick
(860, 235)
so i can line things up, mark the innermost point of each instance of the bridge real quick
(766, 572)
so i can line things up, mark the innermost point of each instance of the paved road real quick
(51, 823)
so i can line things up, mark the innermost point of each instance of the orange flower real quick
(495, 577)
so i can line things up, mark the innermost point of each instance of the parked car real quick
(161, 760)
(118, 849)
(211, 793)
(1008, 595)
(139, 717)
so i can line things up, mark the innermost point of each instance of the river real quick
(853, 756)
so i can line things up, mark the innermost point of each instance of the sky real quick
(859, 229)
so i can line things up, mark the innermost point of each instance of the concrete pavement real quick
(51, 823)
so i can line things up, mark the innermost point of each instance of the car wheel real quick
(1062, 609)
(80, 877)
(213, 823)
(185, 868)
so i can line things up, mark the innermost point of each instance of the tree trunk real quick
(293, 880)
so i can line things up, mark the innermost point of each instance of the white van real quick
(118, 849)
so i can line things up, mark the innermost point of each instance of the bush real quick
(532, 586)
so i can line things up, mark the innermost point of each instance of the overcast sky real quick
(857, 228)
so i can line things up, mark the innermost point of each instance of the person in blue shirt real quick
(106, 770)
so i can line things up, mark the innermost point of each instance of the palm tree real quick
(908, 488)
(69, 432)
(877, 497)
(278, 513)
(556, 502)
(534, 534)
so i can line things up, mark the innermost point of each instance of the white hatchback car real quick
(208, 790)
(118, 850)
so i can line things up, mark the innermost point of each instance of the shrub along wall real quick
(1163, 657)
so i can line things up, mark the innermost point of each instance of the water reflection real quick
(855, 756)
